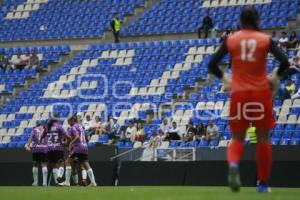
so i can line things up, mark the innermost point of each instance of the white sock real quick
(45, 175)
(75, 178)
(91, 175)
(68, 174)
(55, 174)
(35, 175)
(84, 174)
(61, 171)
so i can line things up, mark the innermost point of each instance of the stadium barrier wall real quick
(210, 169)
(203, 173)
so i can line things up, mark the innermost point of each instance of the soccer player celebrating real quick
(37, 144)
(78, 150)
(251, 93)
(56, 136)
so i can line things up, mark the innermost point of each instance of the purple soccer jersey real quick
(80, 145)
(39, 143)
(55, 137)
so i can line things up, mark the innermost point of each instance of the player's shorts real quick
(80, 157)
(39, 157)
(55, 156)
(251, 106)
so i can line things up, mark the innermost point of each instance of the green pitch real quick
(142, 193)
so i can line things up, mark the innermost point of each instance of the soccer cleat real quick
(263, 188)
(234, 181)
(93, 185)
(64, 184)
(35, 184)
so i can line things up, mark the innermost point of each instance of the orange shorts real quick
(251, 106)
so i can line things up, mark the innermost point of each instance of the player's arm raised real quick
(213, 66)
(278, 73)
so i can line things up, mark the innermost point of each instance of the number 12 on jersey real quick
(248, 48)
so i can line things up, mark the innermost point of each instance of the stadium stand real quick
(55, 19)
(182, 16)
(127, 80)
(46, 54)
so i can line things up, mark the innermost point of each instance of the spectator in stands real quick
(4, 63)
(212, 131)
(283, 40)
(293, 69)
(191, 132)
(290, 87)
(274, 37)
(173, 133)
(164, 128)
(201, 131)
(207, 24)
(283, 93)
(105, 127)
(114, 132)
(293, 40)
(116, 28)
(251, 134)
(130, 132)
(34, 61)
(88, 124)
(96, 126)
(140, 134)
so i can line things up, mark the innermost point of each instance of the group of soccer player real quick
(63, 151)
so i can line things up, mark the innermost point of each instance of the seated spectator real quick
(283, 93)
(88, 124)
(4, 63)
(212, 131)
(140, 134)
(293, 40)
(105, 126)
(96, 126)
(190, 132)
(34, 61)
(207, 24)
(274, 37)
(164, 128)
(293, 69)
(173, 133)
(114, 132)
(130, 132)
(283, 40)
(201, 132)
(290, 87)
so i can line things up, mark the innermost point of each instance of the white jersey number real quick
(248, 48)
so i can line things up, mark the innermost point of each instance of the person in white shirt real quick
(88, 124)
(173, 133)
(164, 128)
(130, 132)
(283, 40)
(212, 131)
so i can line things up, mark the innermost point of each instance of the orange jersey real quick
(249, 50)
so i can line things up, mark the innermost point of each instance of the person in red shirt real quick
(251, 93)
